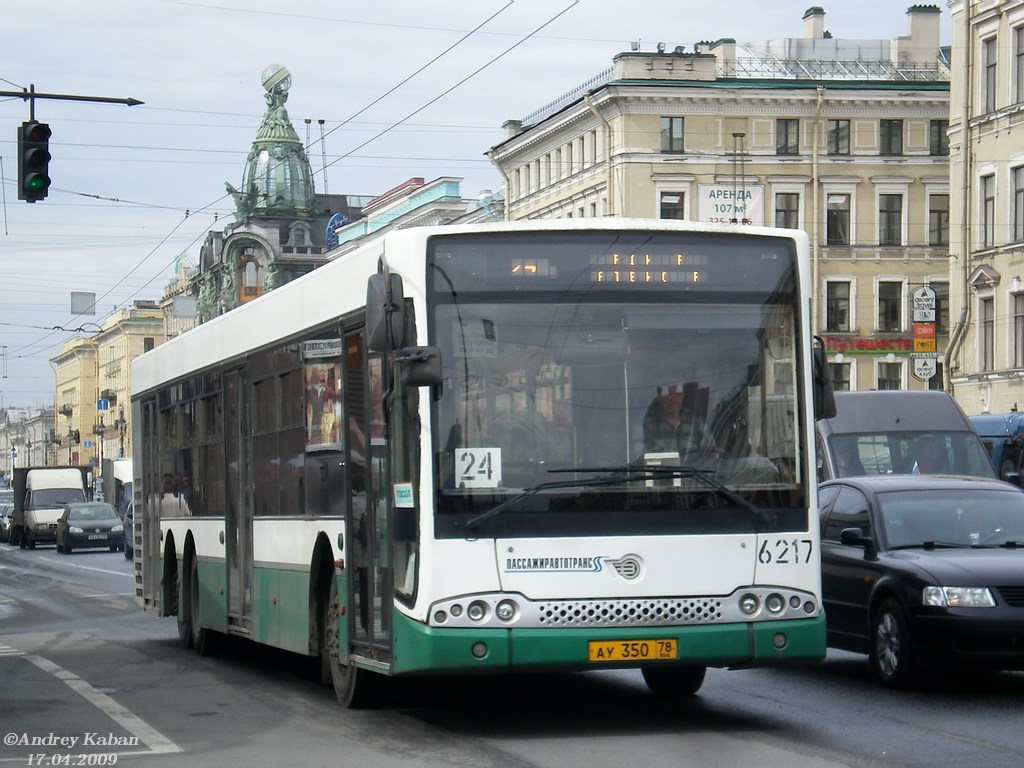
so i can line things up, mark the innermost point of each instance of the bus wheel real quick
(180, 591)
(674, 681)
(203, 640)
(355, 688)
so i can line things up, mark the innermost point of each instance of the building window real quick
(990, 57)
(1018, 330)
(988, 211)
(148, 342)
(839, 137)
(593, 148)
(938, 219)
(671, 134)
(569, 170)
(890, 219)
(941, 306)
(840, 376)
(837, 306)
(1018, 204)
(890, 137)
(787, 210)
(935, 382)
(890, 306)
(672, 205)
(938, 137)
(1018, 64)
(787, 136)
(986, 334)
(837, 219)
(890, 376)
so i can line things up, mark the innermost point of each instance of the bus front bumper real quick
(422, 649)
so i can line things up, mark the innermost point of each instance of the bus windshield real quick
(567, 373)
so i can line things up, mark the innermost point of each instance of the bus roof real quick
(328, 291)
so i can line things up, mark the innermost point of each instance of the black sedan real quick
(89, 524)
(924, 572)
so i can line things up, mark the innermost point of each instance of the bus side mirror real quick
(385, 312)
(421, 366)
(824, 392)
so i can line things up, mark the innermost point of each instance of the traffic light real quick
(33, 161)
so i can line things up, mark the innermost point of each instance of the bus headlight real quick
(506, 610)
(774, 603)
(749, 604)
(477, 610)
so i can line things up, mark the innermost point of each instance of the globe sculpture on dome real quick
(278, 180)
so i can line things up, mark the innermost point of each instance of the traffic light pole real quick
(34, 142)
(29, 94)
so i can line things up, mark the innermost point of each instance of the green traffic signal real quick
(33, 161)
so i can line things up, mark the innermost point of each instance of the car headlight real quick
(117, 529)
(958, 597)
(74, 529)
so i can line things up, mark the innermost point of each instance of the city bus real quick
(427, 456)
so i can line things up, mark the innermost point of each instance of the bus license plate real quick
(632, 650)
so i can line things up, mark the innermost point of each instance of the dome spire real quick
(277, 181)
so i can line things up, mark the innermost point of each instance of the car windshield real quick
(103, 512)
(970, 517)
(910, 453)
(55, 497)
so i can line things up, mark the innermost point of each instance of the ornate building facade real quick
(987, 205)
(282, 228)
(843, 138)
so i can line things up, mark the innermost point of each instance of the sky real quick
(404, 88)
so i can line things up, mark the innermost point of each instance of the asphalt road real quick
(87, 678)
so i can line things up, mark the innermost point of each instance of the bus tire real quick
(182, 611)
(355, 688)
(674, 682)
(204, 641)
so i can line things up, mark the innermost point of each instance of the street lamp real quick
(98, 430)
(120, 424)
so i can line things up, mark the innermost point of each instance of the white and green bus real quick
(428, 456)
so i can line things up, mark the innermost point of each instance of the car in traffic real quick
(6, 515)
(892, 432)
(924, 572)
(89, 525)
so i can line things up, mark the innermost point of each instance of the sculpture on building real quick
(205, 300)
(228, 294)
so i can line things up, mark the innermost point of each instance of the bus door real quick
(238, 515)
(366, 531)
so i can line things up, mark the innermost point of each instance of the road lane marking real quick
(135, 725)
(98, 570)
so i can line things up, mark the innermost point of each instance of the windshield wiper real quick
(929, 545)
(528, 492)
(704, 475)
(627, 474)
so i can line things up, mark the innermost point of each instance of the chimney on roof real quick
(921, 44)
(814, 23)
(923, 25)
